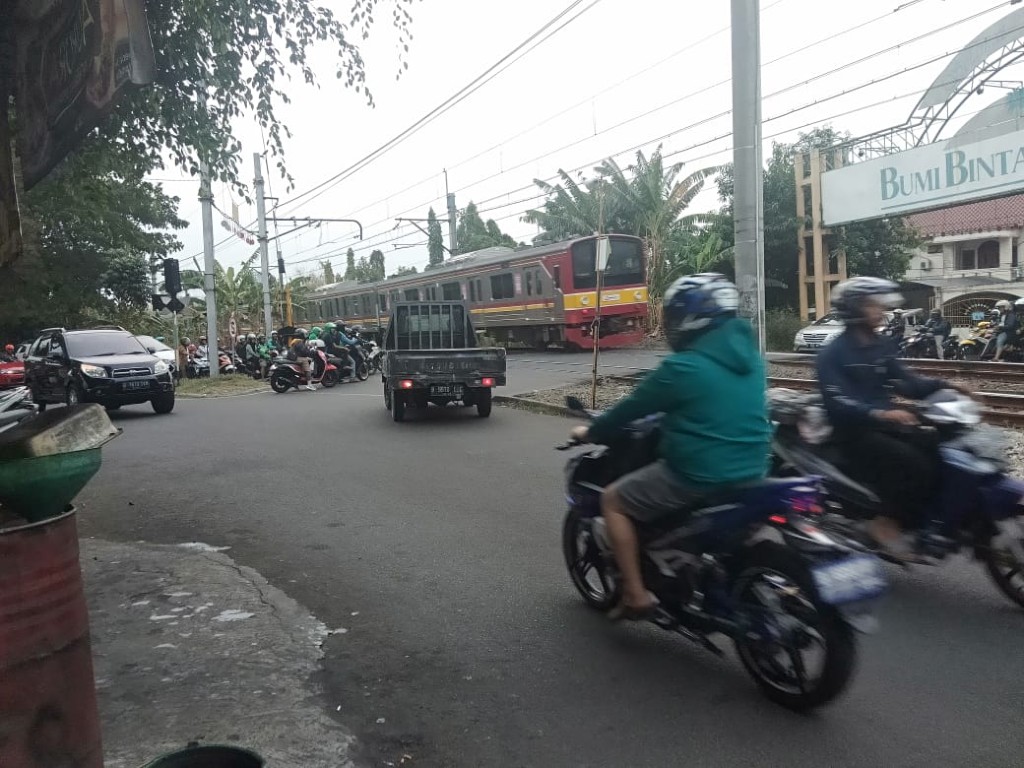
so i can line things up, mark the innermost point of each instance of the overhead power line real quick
(479, 81)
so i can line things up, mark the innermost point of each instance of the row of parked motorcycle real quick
(979, 344)
(349, 364)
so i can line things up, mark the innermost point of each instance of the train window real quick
(472, 290)
(625, 266)
(503, 286)
(479, 291)
(538, 285)
(451, 291)
(413, 294)
(529, 283)
(556, 276)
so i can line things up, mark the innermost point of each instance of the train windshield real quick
(625, 265)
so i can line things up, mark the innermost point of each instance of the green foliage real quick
(647, 200)
(350, 265)
(239, 293)
(126, 281)
(892, 239)
(328, 271)
(474, 235)
(222, 63)
(404, 271)
(435, 239)
(376, 268)
(781, 326)
(93, 221)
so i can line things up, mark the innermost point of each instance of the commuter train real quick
(540, 296)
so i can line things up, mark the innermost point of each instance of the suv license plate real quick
(446, 390)
(135, 385)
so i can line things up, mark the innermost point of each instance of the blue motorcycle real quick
(750, 564)
(977, 507)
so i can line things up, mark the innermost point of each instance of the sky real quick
(621, 75)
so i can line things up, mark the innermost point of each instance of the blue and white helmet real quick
(696, 303)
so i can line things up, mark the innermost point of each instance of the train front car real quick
(623, 292)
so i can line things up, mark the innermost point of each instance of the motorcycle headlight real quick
(161, 367)
(95, 371)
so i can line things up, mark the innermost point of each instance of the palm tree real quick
(654, 201)
(572, 210)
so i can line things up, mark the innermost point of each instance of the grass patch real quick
(232, 384)
(781, 326)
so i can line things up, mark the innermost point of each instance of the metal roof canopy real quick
(977, 63)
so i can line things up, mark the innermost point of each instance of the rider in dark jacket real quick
(857, 373)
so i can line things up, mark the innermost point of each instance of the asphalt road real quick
(435, 544)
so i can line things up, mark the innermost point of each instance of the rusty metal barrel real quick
(48, 711)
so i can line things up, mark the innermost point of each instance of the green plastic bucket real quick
(212, 756)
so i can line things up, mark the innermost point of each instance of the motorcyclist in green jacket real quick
(714, 432)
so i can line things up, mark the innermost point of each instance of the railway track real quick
(1009, 372)
(1000, 408)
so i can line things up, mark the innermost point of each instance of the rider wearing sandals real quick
(715, 433)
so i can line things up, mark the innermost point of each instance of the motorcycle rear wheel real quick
(330, 379)
(362, 372)
(780, 574)
(585, 564)
(279, 384)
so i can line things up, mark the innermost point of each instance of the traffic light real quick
(172, 278)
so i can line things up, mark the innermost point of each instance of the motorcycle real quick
(197, 368)
(373, 355)
(16, 406)
(345, 364)
(750, 563)
(285, 374)
(225, 363)
(977, 506)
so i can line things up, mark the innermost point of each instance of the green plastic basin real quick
(41, 487)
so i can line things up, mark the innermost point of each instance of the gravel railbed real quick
(977, 383)
(611, 389)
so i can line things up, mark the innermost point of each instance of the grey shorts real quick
(654, 491)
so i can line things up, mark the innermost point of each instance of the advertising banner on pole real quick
(74, 58)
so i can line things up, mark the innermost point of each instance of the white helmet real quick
(1003, 304)
(1019, 303)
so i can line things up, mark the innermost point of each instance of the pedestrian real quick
(940, 329)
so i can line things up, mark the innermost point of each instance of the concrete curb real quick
(534, 406)
(220, 397)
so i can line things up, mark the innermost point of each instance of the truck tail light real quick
(487, 382)
(405, 384)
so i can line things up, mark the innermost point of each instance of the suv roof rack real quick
(105, 328)
(51, 330)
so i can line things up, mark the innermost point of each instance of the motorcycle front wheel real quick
(802, 654)
(330, 379)
(584, 562)
(362, 372)
(1006, 571)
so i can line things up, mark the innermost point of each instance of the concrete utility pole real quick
(453, 246)
(209, 265)
(748, 174)
(261, 213)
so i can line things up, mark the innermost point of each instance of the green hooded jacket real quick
(715, 430)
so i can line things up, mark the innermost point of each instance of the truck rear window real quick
(431, 326)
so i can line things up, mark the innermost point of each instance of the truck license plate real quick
(446, 390)
(135, 385)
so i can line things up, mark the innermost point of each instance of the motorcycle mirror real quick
(575, 404)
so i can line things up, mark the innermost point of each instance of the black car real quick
(106, 366)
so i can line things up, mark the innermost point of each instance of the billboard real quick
(934, 176)
(74, 58)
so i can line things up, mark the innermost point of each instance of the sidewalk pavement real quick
(189, 646)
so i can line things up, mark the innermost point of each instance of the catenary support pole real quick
(209, 264)
(261, 213)
(748, 200)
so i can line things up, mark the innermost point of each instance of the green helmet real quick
(329, 326)
(314, 332)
